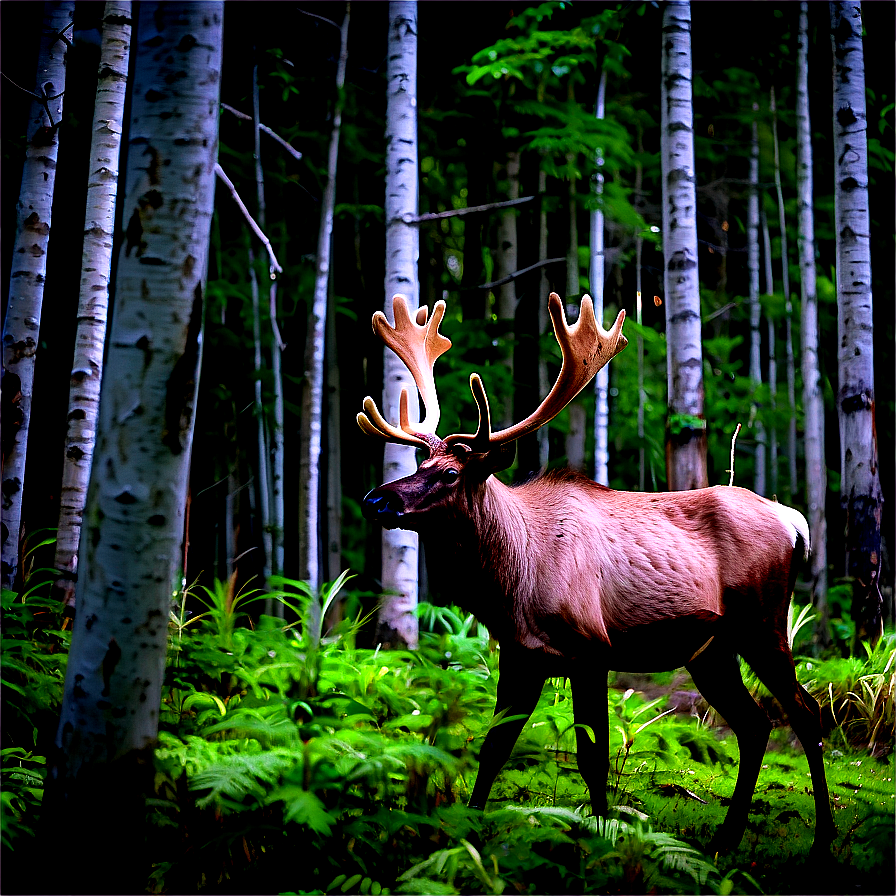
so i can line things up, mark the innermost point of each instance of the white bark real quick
(596, 277)
(813, 402)
(334, 457)
(275, 446)
(93, 298)
(759, 485)
(686, 428)
(772, 360)
(575, 438)
(507, 263)
(138, 487)
(262, 472)
(860, 490)
(397, 624)
(544, 289)
(788, 309)
(313, 392)
(21, 329)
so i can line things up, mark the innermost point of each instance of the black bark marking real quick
(11, 414)
(180, 390)
(134, 235)
(34, 224)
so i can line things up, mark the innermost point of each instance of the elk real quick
(574, 579)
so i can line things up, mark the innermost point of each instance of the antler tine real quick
(418, 344)
(586, 347)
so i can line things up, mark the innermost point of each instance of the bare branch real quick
(60, 35)
(515, 274)
(719, 312)
(275, 265)
(263, 127)
(315, 16)
(459, 212)
(44, 100)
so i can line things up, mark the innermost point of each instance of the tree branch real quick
(275, 265)
(515, 274)
(322, 18)
(263, 127)
(459, 212)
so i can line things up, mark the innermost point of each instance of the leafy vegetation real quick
(278, 742)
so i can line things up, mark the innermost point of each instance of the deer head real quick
(456, 465)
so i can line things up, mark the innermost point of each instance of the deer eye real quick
(451, 475)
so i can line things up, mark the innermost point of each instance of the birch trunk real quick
(544, 289)
(102, 765)
(396, 622)
(596, 277)
(507, 263)
(264, 475)
(772, 361)
(334, 456)
(759, 484)
(275, 446)
(788, 309)
(860, 490)
(315, 346)
(262, 470)
(575, 438)
(93, 298)
(21, 329)
(813, 401)
(686, 427)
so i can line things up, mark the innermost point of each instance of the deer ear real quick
(497, 459)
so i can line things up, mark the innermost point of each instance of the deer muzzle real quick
(386, 508)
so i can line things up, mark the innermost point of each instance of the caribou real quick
(574, 579)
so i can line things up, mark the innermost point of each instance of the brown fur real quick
(574, 579)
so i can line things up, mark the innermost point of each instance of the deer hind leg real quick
(590, 708)
(519, 687)
(774, 666)
(716, 673)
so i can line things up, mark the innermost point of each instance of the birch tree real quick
(772, 359)
(543, 321)
(313, 388)
(685, 427)
(93, 298)
(575, 438)
(21, 329)
(860, 491)
(755, 308)
(102, 765)
(270, 426)
(813, 401)
(788, 306)
(396, 622)
(507, 263)
(596, 277)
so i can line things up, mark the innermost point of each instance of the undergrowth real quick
(290, 760)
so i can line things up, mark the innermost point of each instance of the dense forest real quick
(214, 659)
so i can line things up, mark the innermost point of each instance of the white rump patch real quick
(795, 524)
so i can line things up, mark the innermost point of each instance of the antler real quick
(586, 347)
(418, 344)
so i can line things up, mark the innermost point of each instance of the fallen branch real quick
(263, 127)
(515, 274)
(275, 265)
(459, 212)
(731, 471)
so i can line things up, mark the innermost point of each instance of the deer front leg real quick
(716, 673)
(590, 709)
(519, 688)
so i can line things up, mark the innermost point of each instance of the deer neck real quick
(481, 554)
